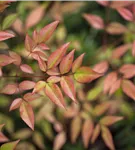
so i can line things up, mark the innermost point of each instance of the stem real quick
(25, 76)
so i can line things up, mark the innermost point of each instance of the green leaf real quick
(8, 21)
(9, 146)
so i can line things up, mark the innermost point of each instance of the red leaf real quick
(133, 49)
(125, 13)
(55, 94)
(46, 32)
(66, 63)
(29, 44)
(42, 64)
(77, 63)
(53, 79)
(67, 85)
(104, 3)
(3, 138)
(101, 67)
(4, 35)
(107, 137)
(9, 89)
(95, 134)
(5, 60)
(116, 28)
(1, 73)
(15, 104)
(26, 85)
(59, 141)
(53, 71)
(109, 120)
(26, 68)
(27, 114)
(85, 75)
(109, 81)
(119, 4)
(87, 130)
(31, 96)
(43, 46)
(39, 86)
(95, 21)
(55, 58)
(34, 17)
(115, 86)
(128, 88)
(15, 57)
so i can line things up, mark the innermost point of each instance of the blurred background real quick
(98, 45)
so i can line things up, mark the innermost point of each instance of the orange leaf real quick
(27, 115)
(67, 85)
(107, 137)
(26, 85)
(96, 133)
(55, 58)
(15, 104)
(4, 35)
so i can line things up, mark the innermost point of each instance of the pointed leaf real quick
(42, 64)
(119, 4)
(107, 137)
(5, 60)
(26, 68)
(15, 104)
(4, 35)
(67, 85)
(95, 134)
(54, 79)
(15, 57)
(116, 85)
(39, 86)
(128, 88)
(9, 146)
(55, 94)
(27, 114)
(101, 67)
(55, 58)
(85, 75)
(87, 130)
(43, 46)
(26, 85)
(66, 63)
(77, 63)
(104, 3)
(9, 89)
(29, 44)
(31, 96)
(53, 71)
(3, 138)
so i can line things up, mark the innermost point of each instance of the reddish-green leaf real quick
(3, 138)
(54, 79)
(15, 104)
(96, 133)
(107, 137)
(55, 58)
(66, 63)
(85, 75)
(17, 59)
(54, 93)
(77, 63)
(67, 85)
(26, 68)
(31, 96)
(75, 128)
(4, 35)
(29, 44)
(39, 86)
(9, 89)
(87, 130)
(9, 146)
(101, 67)
(128, 88)
(5, 60)
(26, 85)
(59, 141)
(109, 120)
(27, 115)
(115, 86)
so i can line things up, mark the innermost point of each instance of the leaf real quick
(53, 72)
(26, 85)
(8, 21)
(27, 114)
(59, 141)
(4, 35)
(75, 128)
(128, 88)
(54, 93)
(31, 96)
(53, 79)
(85, 75)
(39, 86)
(66, 63)
(119, 4)
(3, 138)
(109, 81)
(43, 46)
(120, 51)
(107, 137)
(17, 59)
(133, 49)
(9, 146)
(95, 134)
(101, 67)
(116, 85)
(94, 20)
(46, 32)
(109, 120)
(26, 68)
(77, 63)
(18, 26)
(128, 70)
(126, 14)
(9, 89)
(67, 85)
(42, 64)
(101, 108)
(29, 44)
(15, 104)
(55, 58)
(116, 28)
(103, 3)
(34, 17)
(87, 130)
(5, 60)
